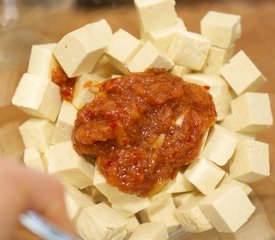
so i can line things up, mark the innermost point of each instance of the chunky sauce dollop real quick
(142, 128)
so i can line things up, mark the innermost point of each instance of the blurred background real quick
(27, 22)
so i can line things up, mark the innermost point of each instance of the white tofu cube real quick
(42, 62)
(251, 112)
(133, 224)
(178, 185)
(121, 49)
(162, 38)
(180, 71)
(42, 101)
(220, 146)
(182, 198)
(101, 222)
(245, 187)
(79, 51)
(65, 163)
(75, 201)
(217, 88)
(227, 208)
(203, 142)
(221, 28)
(149, 57)
(65, 123)
(189, 49)
(241, 74)
(250, 161)
(162, 210)
(204, 175)
(126, 204)
(37, 133)
(152, 231)
(216, 58)
(85, 88)
(155, 14)
(191, 217)
(33, 160)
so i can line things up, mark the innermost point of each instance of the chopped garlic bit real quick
(159, 142)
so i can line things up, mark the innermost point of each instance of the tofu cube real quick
(162, 210)
(178, 185)
(33, 160)
(241, 74)
(152, 231)
(85, 88)
(189, 49)
(101, 222)
(251, 112)
(250, 162)
(121, 49)
(155, 14)
(180, 71)
(65, 163)
(42, 62)
(163, 37)
(126, 204)
(65, 123)
(221, 28)
(216, 58)
(79, 51)
(75, 202)
(245, 187)
(191, 217)
(220, 146)
(227, 208)
(218, 88)
(36, 133)
(204, 175)
(182, 198)
(42, 101)
(149, 57)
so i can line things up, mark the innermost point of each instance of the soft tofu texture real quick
(65, 163)
(220, 146)
(241, 74)
(178, 185)
(217, 88)
(191, 217)
(42, 62)
(37, 133)
(227, 179)
(43, 101)
(121, 49)
(149, 57)
(33, 160)
(126, 204)
(216, 58)
(179, 70)
(79, 51)
(85, 88)
(251, 112)
(189, 49)
(182, 198)
(152, 231)
(227, 208)
(149, 12)
(162, 38)
(221, 28)
(101, 222)
(204, 175)
(162, 210)
(75, 202)
(65, 123)
(250, 161)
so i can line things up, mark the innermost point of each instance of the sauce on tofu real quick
(142, 128)
(65, 83)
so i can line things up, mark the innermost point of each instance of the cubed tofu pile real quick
(213, 191)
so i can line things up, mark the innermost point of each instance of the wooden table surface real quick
(258, 41)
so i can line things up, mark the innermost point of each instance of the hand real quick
(21, 190)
